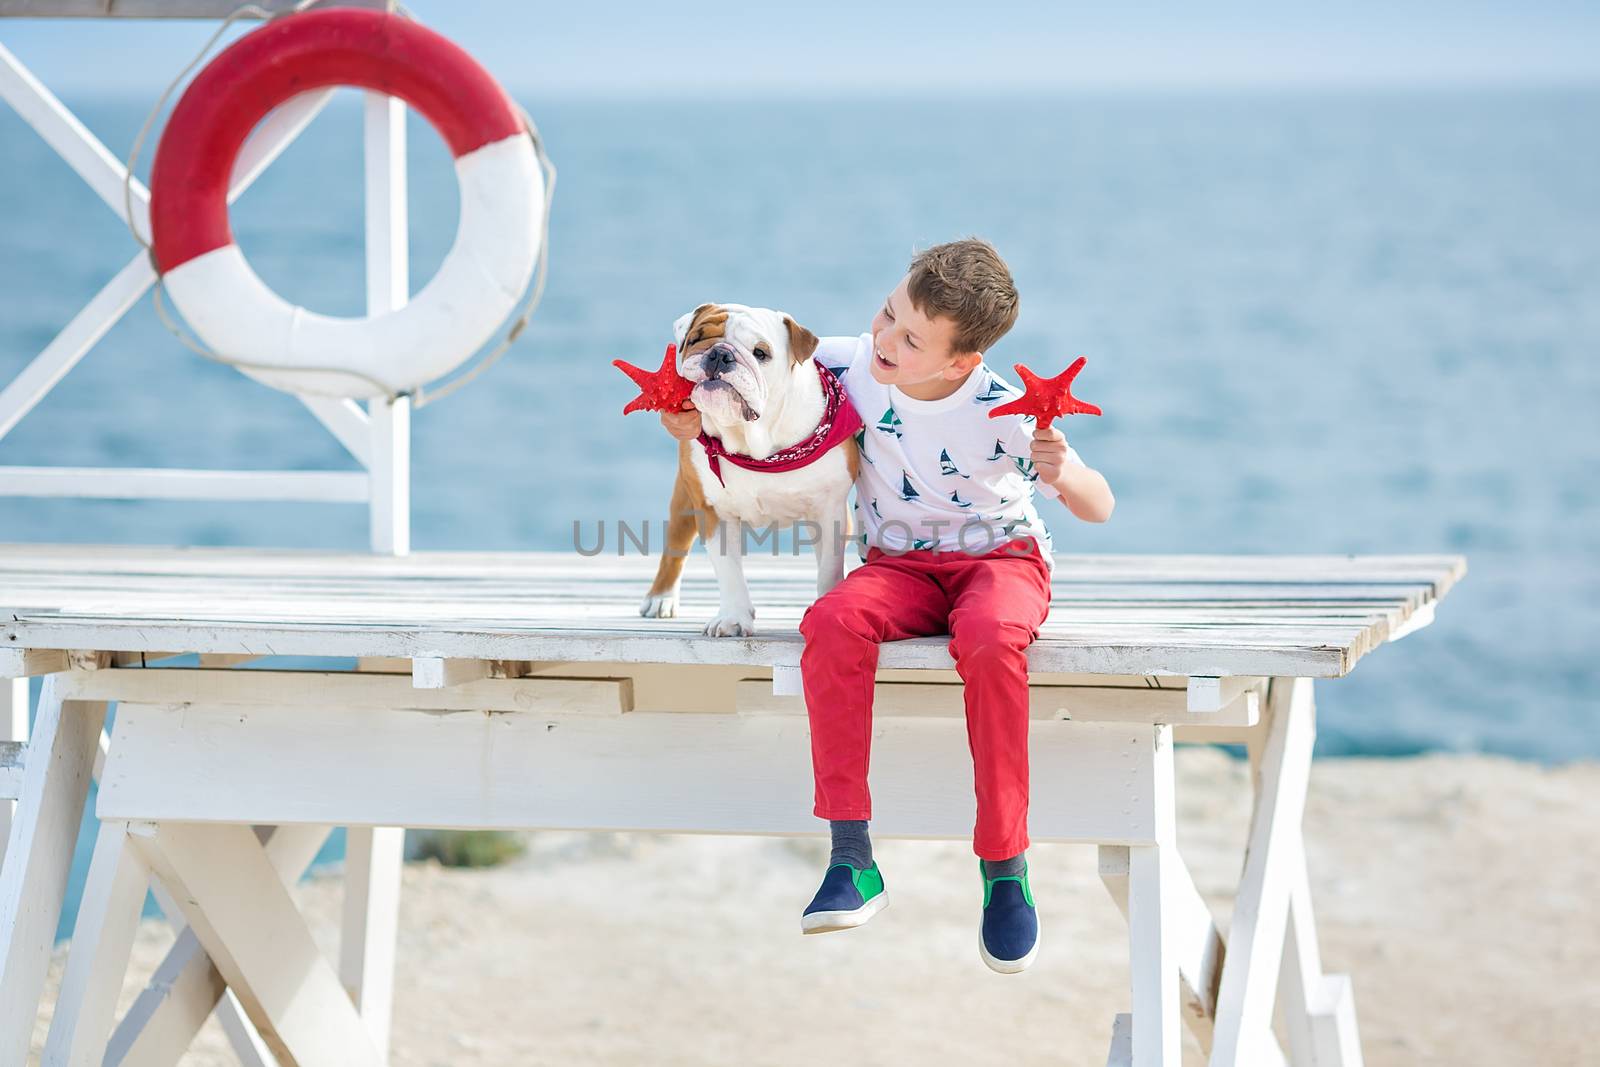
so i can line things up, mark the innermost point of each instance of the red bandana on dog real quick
(839, 420)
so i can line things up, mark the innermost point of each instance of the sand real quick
(1460, 892)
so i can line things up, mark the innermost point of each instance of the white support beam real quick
(13, 751)
(1211, 694)
(1274, 849)
(368, 934)
(1121, 1052)
(1153, 951)
(346, 420)
(186, 987)
(1319, 1010)
(102, 944)
(74, 341)
(142, 483)
(276, 132)
(24, 663)
(12, 755)
(245, 919)
(674, 772)
(374, 855)
(1198, 944)
(431, 672)
(33, 881)
(71, 139)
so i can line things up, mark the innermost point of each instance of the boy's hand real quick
(685, 424)
(1049, 453)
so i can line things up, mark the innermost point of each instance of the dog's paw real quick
(659, 606)
(732, 624)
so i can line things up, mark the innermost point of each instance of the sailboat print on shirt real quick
(890, 422)
(907, 490)
(993, 393)
(948, 465)
(999, 449)
(875, 510)
(955, 498)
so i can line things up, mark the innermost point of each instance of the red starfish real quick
(662, 390)
(1046, 398)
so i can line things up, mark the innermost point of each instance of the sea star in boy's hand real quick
(662, 390)
(1045, 398)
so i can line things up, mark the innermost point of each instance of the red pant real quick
(992, 605)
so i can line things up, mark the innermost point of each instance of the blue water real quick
(1360, 323)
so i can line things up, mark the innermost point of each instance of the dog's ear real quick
(802, 342)
(680, 328)
(703, 323)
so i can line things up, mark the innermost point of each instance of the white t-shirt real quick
(939, 474)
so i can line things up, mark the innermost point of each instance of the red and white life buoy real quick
(228, 305)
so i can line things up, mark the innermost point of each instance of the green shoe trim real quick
(869, 882)
(988, 883)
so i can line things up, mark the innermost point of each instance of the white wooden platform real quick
(524, 690)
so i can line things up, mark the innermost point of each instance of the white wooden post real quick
(102, 942)
(186, 987)
(33, 881)
(1152, 926)
(374, 855)
(244, 917)
(13, 728)
(1274, 851)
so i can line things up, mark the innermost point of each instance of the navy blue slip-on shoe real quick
(848, 897)
(1009, 937)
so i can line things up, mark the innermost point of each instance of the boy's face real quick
(909, 348)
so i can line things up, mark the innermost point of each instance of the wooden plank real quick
(371, 919)
(80, 149)
(146, 483)
(185, 988)
(225, 659)
(72, 343)
(432, 672)
(248, 925)
(596, 696)
(1197, 942)
(33, 881)
(1153, 946)
(1080, 703)
(102, 944)
(14, 708)
(673, 772)
(1070, 568)
(1256, 933)
(1318, 1010)
(1213, 694)
(1173, 653)
(1121, 1052)
(11, 764)
(24, 663)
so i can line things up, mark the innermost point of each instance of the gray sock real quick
(850, 843)
(1013, 866)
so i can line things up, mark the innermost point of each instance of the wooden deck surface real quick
(1305, 616)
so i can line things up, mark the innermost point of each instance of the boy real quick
(953, 544)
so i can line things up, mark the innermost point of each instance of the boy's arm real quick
(1058, 471)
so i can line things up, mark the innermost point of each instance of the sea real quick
(1317, 322)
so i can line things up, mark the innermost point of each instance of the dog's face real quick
(740, 358)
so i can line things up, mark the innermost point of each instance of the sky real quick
(833, 47)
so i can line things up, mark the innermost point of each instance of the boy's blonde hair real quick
(968, 282)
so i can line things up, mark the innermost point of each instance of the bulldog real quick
(777, 448)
